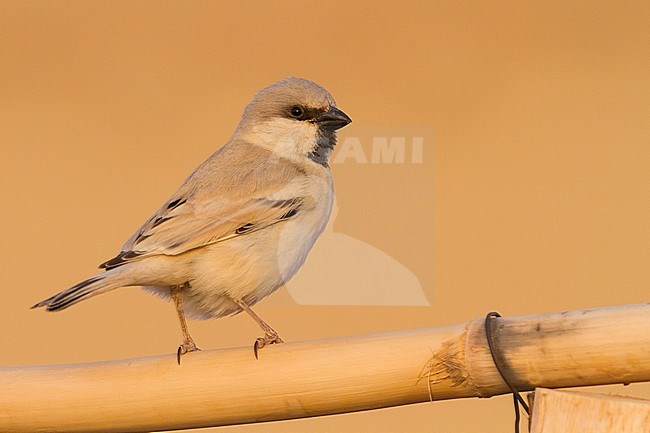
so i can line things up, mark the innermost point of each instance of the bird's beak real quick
(332, 119)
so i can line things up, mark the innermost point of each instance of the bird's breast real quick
(297, 236)
(254, 265)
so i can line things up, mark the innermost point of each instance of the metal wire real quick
(517, 398)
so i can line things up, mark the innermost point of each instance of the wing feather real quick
(183, 224)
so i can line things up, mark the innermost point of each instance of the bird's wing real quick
(185, 222)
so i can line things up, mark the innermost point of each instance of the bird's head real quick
(294, 118)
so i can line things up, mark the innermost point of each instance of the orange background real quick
(533, 195)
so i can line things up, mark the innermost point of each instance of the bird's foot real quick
(270, 338)
(187, 346)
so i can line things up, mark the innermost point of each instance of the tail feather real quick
(91, 287)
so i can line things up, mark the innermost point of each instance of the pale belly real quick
(251, 267)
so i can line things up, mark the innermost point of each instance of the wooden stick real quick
(311, 378)
(579, 412)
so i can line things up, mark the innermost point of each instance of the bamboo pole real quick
(311, 378)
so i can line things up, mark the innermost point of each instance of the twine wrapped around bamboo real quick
(310, 378)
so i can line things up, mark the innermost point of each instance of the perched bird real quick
(243, 222)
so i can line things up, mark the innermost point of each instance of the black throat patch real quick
(325, 142)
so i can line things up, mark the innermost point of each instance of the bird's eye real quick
(296, 111)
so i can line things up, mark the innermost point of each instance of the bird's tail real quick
(96, 285)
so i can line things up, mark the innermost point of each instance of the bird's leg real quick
(270, 336)
(188, 343)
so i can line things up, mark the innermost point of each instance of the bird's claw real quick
(269, 338)
(187, 346)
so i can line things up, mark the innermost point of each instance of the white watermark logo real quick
(343, 269)
(383, 150)
(383, 145)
